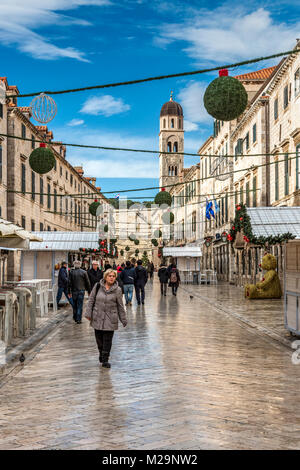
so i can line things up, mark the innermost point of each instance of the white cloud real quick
(110, 163)
(75, 122)
(105, 105)
(19, 20)
(229, 34)
(191, 100)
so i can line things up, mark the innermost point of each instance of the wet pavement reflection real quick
(183, 376)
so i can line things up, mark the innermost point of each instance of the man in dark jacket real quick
(95, 274)
(63, 280)
(78, 283)
(127, 276)
(141, 277)
(163, 276)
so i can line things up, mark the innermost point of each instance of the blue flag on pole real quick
(217, 207)
(209, 209)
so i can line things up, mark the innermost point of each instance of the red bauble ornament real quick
(223, 73)
(238, 208)
(83, 249)
(163, 189)
(229, 237)
(241, 218)
(233, 228)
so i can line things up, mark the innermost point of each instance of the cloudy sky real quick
(73, 43)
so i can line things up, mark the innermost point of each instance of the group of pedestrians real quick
(105, 306)
(168, 276)
(134, 277)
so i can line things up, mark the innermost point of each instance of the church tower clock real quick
(171, 139)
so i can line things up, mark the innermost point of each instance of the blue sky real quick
(73, 43)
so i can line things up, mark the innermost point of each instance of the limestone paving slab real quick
(183, 376)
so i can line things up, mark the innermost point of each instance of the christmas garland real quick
(242, 222)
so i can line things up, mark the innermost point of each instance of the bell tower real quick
(171, 140)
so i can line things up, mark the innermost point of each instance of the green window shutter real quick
(276, 181)
(297, 166)
(247, 194)
(286, 175)
(254, 192)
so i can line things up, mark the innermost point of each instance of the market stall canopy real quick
(192, 251)
(13, 236)
(267, 221)
(65, 241)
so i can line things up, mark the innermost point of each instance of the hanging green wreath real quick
(242, 223)
(122, 252)
(42, 160)
(168, 218)
(132, 237)
(136, 242)
(137, 251)
(127, 248)
(93, 207)
(225, 97)
(154, 242)
(157, 233)
(163, 197)
(105, 228)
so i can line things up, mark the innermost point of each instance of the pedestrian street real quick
(183, 376)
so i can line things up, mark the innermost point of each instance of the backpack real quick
(173, 277)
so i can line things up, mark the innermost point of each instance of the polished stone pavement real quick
(183, 376)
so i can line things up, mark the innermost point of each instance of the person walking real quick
(127, 276)
(174, 278)
(78, 283)
(141, 277)
(62, 284)
(95, 274)
(163, 278)
(104, 309)
(151, 269)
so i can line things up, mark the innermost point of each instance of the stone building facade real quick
(58, 200)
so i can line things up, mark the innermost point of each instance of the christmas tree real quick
(145, 259)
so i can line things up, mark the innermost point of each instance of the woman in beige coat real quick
(104, 309)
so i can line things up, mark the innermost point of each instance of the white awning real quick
(13, 236)
(187, 251)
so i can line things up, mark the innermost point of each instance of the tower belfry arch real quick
(171, 139)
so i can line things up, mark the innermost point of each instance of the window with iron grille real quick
(33, 226)
(23, 178)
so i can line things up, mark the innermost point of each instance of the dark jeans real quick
(78, 297)
(140, 293)
(104, 342)
(60, 292)
(174, 288)
(163, 288)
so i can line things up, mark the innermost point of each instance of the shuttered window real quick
(33, 185)
(254, 133)
(41, 191)
(275, 109)
(55, 200)
(286, 175)
(254, 203)
(297, 165)
(23, 131)
(23, 178)
(49, 197)
(247, 194)
(0, 163)
(276, 181)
